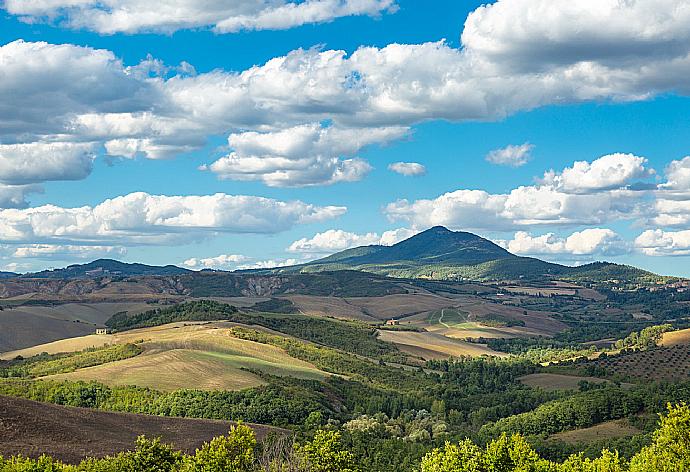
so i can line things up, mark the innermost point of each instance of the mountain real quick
(437, 245)
(107, 267)
(441, 254)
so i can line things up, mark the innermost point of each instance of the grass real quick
(195, 356)
(608, 430)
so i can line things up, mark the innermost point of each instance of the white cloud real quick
(407, 169)
(301, 156)
(670, 213)
(511, 155)
(522, 207)
(140, 218)
(43, 161)
(664, 243)
(223, 261)
(270, 264)
(589, 242)
(64, 252)
(608, 172)
(678, 176)
(132, 16)
(516, 55)
(335, 240)
(14, 196)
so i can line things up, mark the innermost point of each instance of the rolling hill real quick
(107, 267)
(442, 254)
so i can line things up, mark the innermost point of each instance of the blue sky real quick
(570, 95)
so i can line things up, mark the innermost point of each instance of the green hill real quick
(107, 267)
(441, 254)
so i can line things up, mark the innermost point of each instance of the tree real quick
(670, 449)
(325, 453)
(231, 453)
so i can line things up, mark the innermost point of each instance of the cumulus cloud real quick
(511, 59)
(408, 169)
(664, 243)
(44, 161)
(670, 212)
(132, 16)
(301, 156)
(523, 206)
(678, 176)
(608, 172)
(589, 242)
(335, 240)
(511, 155)
(64, 252)
(399, 84)
(270, 264)
(222, 261)
(140, 218)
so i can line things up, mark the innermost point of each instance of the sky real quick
(255, 133)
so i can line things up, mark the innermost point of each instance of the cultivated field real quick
(435, 346)
(663, 363)
(473, 317)
(555, 382)
(71, 434)
(608, 430)
(329, 306)
(399, 306)
(30, 325)
(202, 356)
(676, 338)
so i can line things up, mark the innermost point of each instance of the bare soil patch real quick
(71, 434)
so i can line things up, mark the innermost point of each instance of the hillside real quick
(441, 254)
(107, 267)
(70, 434)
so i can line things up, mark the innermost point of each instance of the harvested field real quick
(399, 306)
(329, 306)
(63, 345)
(464, 320)
(608, 430)
(199, 356)
(430, 346)
(30, 325)
(676, 338)
(71, 434)
(555, 382)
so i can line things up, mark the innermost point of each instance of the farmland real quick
(70, 434)
(602, 431)
(556, 382)
(663, 363)
(192, 356)
(428, 346)
(29, 325)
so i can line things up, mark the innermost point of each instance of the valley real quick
(418, 360)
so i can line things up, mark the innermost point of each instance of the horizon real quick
(107, 259)
(206, 145)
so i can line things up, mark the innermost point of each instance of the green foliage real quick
(231, 453)
(325, 454)
(351, 336)
(670, 451)
(45, 364)
(645, 339)
(204, 310)
(504, 454)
